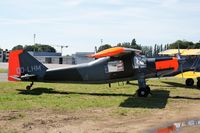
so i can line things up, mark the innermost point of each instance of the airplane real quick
(189, 65)
(111, 65)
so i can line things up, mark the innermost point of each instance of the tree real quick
(197, 45)
(147, 50)
(39, 48)
(155, 50)
(182, 44)
(133, 44)
(35, 48)
(103, 47)
(18, 47)
(126, 45)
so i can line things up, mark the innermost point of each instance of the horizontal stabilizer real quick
(15, 77)
(23, 77)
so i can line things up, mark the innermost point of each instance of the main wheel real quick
(198, 83)
(189, 82)
(143, 92)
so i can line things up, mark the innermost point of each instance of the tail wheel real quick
(143, 92)
(198, 84)
(189, 82)
(28, 87)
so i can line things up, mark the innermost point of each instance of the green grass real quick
(120, 99)
(3, 70)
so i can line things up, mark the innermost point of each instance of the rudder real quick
(23, 64)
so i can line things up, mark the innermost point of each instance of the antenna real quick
(34, 36)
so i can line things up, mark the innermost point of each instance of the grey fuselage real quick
(103, 70)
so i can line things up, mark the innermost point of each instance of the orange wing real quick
(116, 51)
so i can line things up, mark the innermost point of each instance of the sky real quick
(81, 24)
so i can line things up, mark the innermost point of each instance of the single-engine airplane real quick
(111, 65)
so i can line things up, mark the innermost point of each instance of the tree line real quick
(150, 51)
(35, 48)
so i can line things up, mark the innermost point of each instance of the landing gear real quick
(144, 90)
(190, 82)
(29, 86)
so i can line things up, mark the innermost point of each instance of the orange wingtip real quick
(108, 52)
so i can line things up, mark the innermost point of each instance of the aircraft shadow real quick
(150, 85)
(178, 85)
(184, 97)
(157, 100)
(40, 91)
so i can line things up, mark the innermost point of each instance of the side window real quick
(115, 66)
(139, 61)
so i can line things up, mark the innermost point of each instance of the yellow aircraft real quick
(190, 67)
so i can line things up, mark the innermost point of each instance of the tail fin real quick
(23, 65)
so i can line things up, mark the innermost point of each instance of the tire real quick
(143, 92)
(189, 82)
(198, 83)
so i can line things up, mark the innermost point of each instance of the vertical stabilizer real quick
(22, 64)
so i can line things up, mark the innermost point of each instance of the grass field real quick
(120, 98)
(95, 108)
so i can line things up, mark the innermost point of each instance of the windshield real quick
(139, 61)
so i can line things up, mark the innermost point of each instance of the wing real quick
(191, 52)
(114, 52)
(170, 52)
(185, 52)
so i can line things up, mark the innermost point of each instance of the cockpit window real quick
(139, 61)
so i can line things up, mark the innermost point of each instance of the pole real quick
(101, 41)
(61, 50)
(34, 36)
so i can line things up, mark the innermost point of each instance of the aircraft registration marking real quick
(29, 69)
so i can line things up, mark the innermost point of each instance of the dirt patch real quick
(92, 120)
